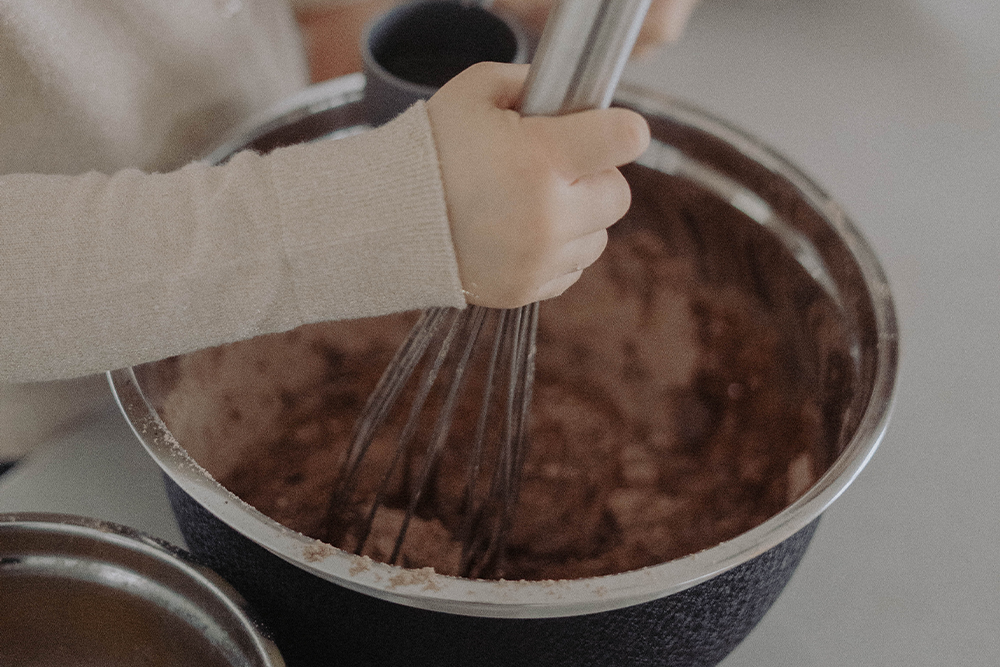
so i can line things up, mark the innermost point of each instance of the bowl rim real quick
(537, 599)
(121, 548)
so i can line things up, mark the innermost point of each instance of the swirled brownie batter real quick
(688, 388)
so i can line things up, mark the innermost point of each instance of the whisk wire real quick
(442, 426)
(472, 514)
(378, 405)
(412, 422)
(527, 367)
(483, 547)
(386, 392)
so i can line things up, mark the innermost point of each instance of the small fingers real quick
(576, 257)
(589, 142)
(497, 84)
(580, 253)
(573, 259)
(557, 286)
(591, 204)
(529, 199)
(600, 201)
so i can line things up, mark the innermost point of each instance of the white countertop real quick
(894, 107)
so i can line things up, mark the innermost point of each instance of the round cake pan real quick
(689, 611)
(79, 591)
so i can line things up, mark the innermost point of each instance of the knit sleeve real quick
(103, 271)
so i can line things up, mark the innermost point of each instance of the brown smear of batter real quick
(689, 387)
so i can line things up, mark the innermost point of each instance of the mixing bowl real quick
(78, 591)
(327, 606)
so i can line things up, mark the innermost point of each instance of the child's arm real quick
(104, 271)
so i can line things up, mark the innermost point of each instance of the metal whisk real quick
(579, 60)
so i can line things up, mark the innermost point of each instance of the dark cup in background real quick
(414, 49)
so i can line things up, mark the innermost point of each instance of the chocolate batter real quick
(690, 386)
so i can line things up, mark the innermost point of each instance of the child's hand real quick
(529, 199)
(664, 23)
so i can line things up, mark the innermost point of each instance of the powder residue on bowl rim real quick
(423, 577)
(317, 551)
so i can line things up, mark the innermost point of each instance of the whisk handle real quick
(581, 55)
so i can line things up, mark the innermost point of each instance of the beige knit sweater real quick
(116, 248)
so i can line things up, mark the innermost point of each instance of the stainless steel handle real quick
(581, 55)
